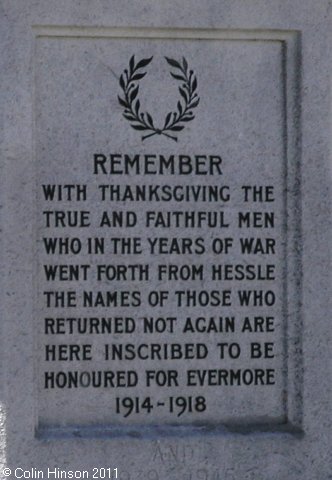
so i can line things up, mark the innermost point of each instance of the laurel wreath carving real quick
(143, 121)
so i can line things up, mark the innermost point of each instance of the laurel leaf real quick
(143, 63)
(173, 63)
(133, 94)
(184, 94)
(178, 77)
(129, 116)
(180, 107)
(168, 119)
(185, 64)
(139, 127)
(122, 82)
(194, 85)
(176, 128)
(137, 106)
(132, 64)
(150, 120)
(122, 102)
(138, 76)
(187, 119)
(193, 105)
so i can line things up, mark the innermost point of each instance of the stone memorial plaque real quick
(165, 238)
(162, 229)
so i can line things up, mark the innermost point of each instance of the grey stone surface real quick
(263, 71)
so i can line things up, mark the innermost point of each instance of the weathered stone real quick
(165, 240)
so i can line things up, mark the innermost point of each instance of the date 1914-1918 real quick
(176, 405)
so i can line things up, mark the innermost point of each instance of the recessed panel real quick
(161, 243)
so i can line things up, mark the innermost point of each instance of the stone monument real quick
(165, 240)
